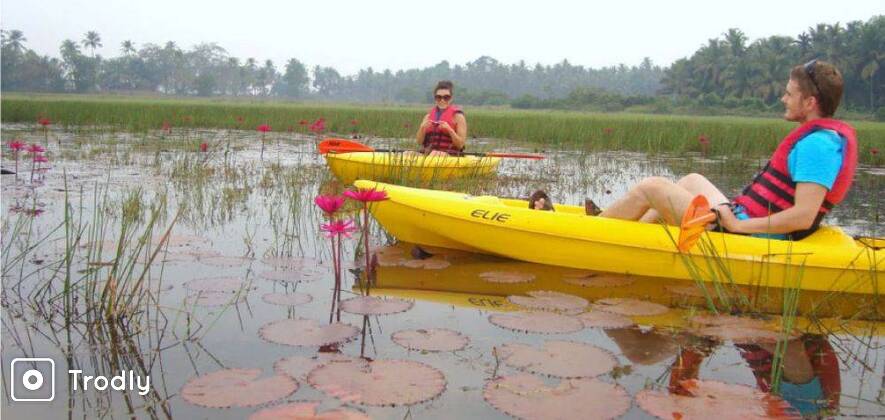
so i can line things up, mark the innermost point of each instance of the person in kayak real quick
(810, 171)
(539, 200)
(443, 131)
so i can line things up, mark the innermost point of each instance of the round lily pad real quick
(562, 359)
(307, 332)
(305, 410)
(630, 307)
(712, 399)
(428, 264)
(435, 339)
(604, 320)
(287, 299)
(537, 322)
(549, 301)
(740, 330)
(295, 276)
(374, 305)
(507, 277)
(526, 396)
(297, 367)
(380, 382)
(236, 388)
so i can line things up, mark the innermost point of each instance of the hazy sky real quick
(398, 34)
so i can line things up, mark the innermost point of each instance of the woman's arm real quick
(808, 199)
(459, 136)
(422, 129)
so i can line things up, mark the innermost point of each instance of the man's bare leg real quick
(656, 197)
(695, 184)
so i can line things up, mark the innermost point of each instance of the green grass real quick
(749, 137)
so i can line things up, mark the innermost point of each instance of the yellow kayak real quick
(408, 167)
(827, 261)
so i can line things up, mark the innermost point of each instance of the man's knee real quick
(653, 184)
(692, 179)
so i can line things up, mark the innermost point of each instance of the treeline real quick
(728, 73)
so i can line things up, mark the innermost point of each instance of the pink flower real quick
(302, 122)
(354, 122)
(35, 149)
(607, 130)
(329, 203)
(166, 127)
(366, 195)
(44, 121)
(703, 139)
(318, 126)
(204, 147)
(263, 128)
(240, 120)
(338, 227)
(41, 159)
(874, 151)
(17, 145)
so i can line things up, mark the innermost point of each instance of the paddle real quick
(694, 222)
(348, 146)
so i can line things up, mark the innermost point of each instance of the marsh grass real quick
(655, 134)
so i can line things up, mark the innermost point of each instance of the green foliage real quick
(880, 114)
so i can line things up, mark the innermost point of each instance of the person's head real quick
(442, 94)
(540, 201)
(814, 91)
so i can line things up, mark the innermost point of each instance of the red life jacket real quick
(774, 190)
(436, 138)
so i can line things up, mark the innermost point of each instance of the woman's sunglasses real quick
(443, 97)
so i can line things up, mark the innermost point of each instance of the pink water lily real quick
(17, 145)
(41, 159)
(44, 121)
(319, 125)
(263, 128)
(338, 227)
(35, 149)
(366, 195)
(329, 203)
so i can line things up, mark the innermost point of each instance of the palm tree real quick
(92, 40)
(14, 39)
(127, 47)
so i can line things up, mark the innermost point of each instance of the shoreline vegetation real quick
(537, 129)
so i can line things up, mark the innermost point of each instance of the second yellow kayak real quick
(408, 167)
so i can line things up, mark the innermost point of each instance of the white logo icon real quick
(32, 379)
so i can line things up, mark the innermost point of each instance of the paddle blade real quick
(694, 222)
(342, 146)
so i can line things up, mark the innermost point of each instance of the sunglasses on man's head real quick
(809, 70)
(443, 97)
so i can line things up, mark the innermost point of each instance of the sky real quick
(400, 34)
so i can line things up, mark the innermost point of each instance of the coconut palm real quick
(14, 39)
(92, 40)
(127, 47)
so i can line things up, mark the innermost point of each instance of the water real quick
(237, 211)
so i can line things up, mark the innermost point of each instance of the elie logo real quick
(487, 215)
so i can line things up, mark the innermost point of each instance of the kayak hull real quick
(408, 167)
(828, 260)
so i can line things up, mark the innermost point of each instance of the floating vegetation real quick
(307, 410)
(427, 264)
(506, 277)
(294, 276)
(562, 359)
(598, 280)
(297, 367)
(379, 383)
(701, 399)
(236, 388)
(287, 299)
(738, 329)
(545, 300)
(434, 339)
(630, 307)
(374, 305)
(526, 396)
(307, 332)
(537, 322)
(603, 319)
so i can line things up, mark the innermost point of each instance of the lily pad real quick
(435, 339)
(549, 301)
(630, 307)
(507, 277)
(562, 359)
(526, 396)
(374, 305)
(298, 367)
(306, 410)
(598, 280)
(287, 299)
(428, 264)
(289, 263)
(225, 261)
(604, 320)
(537, 322)
(307, 332)
(380, 382)
(708, 399)
(740, 330)
(295, 276)
(236, 388)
